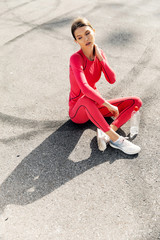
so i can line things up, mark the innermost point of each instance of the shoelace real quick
(123, 139)
(128, 142)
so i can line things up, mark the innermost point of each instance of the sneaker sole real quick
(99, 139)
(101, 148)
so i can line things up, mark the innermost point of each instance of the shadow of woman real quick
(47, 167)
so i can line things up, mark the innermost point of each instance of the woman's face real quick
(85, 37)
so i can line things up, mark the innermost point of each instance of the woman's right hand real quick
(113, 109)
(98, 53)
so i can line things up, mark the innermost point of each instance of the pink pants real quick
(86, 109)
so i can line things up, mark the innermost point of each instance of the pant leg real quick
(86, 109)
(125, 106)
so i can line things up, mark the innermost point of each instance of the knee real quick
(138, 102)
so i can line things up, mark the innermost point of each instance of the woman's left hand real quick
(113, 109)
(98, 53)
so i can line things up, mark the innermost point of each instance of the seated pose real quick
(85, 101)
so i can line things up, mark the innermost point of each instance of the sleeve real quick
(108, 72)
(76, 63)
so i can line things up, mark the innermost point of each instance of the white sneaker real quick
(102, 140)
(125, 146)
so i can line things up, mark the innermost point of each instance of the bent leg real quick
(86, 109)
(125, 107)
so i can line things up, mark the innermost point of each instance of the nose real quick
(86, 38)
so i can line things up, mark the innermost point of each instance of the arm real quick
(108, 72)
(109, 75)
(76, 63)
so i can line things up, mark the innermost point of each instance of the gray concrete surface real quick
(54, 183)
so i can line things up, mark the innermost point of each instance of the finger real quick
(112, 113)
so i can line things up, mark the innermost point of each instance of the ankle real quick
(114, 127)
(112, 135)
(116, 141)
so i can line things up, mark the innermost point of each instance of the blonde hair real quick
(79, 22)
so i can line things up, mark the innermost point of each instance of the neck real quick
(89, 53)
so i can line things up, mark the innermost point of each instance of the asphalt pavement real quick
(54, 182)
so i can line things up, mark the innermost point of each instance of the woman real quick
(85, 102)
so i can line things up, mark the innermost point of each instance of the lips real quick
(87, 44)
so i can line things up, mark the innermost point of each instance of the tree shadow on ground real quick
(47, 167)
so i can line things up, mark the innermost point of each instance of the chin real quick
(90, 45)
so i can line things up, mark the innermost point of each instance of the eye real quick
(87, 33)
(79, 38)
